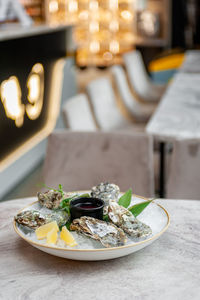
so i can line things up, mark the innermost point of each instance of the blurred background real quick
(50, 50)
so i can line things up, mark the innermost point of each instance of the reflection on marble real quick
(178, 114)
(167, 269)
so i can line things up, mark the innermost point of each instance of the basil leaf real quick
(106, 218)
(125, 200)
(68, 225)
(138, 208)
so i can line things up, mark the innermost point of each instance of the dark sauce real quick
(87, 205)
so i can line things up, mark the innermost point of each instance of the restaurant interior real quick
(94, 66)
(99, 117)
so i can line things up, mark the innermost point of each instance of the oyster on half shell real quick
(107, 233)
(51, 199)
(34, 218)
(106, 191)
(123, 218)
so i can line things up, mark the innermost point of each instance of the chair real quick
(184, 171)
(77, 114)
(139, 79)
(140, 112)
(80, 160)
(104, 105)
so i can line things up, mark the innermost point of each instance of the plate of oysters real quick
(99, 224)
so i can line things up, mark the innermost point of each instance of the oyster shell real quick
(123, 218)
(34, 219)
(107, 233)
(106, 191)
(51, 199)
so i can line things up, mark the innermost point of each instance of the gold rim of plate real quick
(94, 250)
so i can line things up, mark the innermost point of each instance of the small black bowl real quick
(86, 206)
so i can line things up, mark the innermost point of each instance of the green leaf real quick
(138, 208)
(106, 218)
(68, 225)
(84, 195)
(65, 202)
(125, 200)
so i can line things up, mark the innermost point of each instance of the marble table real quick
(167, 269)
(191, 62)
(177, 116)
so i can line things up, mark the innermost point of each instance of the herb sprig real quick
(125, 201)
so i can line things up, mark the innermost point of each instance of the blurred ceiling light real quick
(53, 6)
(114, 25)
(113, 4)
(73, 6)
(149, 22)
(94, 26)
(93, 5)
(126, 15)
(94, 47)
(114, 46)
(107, 56)
(83, 15)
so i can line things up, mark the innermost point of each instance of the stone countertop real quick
(167, 269)
(177, 115)
(191, 62)
(15, 31)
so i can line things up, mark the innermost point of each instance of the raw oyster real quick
(30, 218)
(34, 219)
(51, 199)
(107, 233)
(123, 218)
(106, 191)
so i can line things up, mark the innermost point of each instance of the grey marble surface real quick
(191, 62)
(178, 114)
(167, 269)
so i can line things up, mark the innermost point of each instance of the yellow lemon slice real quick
(43, 230)
(52, 236)
(67, 237)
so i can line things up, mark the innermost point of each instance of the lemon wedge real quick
(52, 236)
(67, 237)
(43, 230)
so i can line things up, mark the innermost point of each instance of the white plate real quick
(154, 215)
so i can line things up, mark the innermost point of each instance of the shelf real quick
(15, 31)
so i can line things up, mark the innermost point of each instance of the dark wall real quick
(185, 23)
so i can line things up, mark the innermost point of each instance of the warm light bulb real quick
(73, 6)
(114, 46)
(83, 15)
(93, 5)
(114, 25)
(113, 4)
(107, 56)
(127, 15)
(53, 6)
(94, 46)
(94, 26)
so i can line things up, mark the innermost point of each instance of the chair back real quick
(80, 160)
(77, 114)
(184, 171)
(104, 104)
(136, 72)
(125, 94)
